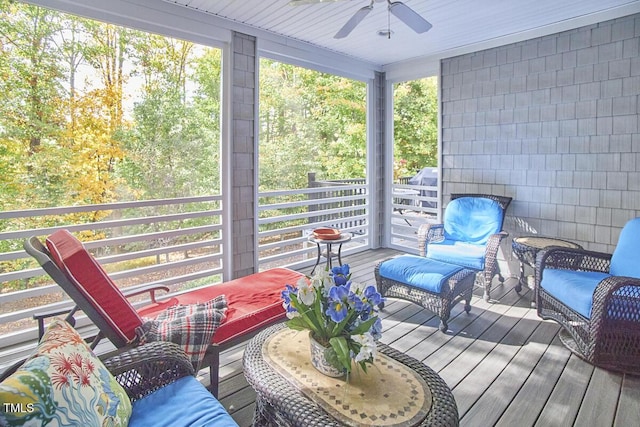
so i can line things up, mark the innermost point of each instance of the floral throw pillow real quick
(63, 384)
(190, 326)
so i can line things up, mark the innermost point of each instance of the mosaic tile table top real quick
(397, 391)
(389, 394)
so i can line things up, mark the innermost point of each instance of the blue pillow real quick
(472, 219)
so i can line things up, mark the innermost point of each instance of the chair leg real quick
(467, 303)
(481, 281)
(445, 313)
(214, 370)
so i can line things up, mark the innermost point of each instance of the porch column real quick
(243, 155)
(378, 177)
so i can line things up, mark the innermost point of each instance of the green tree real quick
(309, 122)
(416, 125)
(31, 122)
(173, 149)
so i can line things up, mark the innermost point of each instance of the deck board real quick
(500, 405)
(599, 403)
(628, 412)
(566, 397)
(524, 408)
(506, 366)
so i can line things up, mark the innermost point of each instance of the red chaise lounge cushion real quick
(82, 269)
(254, 302)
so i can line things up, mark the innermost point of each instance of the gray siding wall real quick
(552, 122)
(243, 154)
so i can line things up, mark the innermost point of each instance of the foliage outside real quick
(100, 113)
(96, 113)
(309, 122)
(415, 129)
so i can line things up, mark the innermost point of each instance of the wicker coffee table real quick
(282, 401)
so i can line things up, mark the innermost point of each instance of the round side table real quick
(526, 248)
(344, 238)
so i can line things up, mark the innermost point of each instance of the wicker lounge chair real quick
(596, 298)
(254, 301)
(469, 236)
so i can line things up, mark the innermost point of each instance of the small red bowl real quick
(326, 233)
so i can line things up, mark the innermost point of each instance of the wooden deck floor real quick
(505, 366)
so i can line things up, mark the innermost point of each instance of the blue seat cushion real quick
(468, 255)
(419, 272)
(183, 403)
(573, 288)
(472, 219)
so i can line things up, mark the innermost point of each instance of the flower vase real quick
(319, 361)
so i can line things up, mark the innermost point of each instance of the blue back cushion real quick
(624, 261)
(472, 219)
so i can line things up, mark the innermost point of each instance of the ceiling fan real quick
(403, 12)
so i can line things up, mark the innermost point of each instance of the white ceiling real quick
(456, 23)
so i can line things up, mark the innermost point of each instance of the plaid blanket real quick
(190, 326)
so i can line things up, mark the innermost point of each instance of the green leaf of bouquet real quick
(339, 327)
(332, 358)
(297, 323)
(364, 326)
(341, 347)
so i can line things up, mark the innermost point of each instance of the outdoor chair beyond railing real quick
(469, 236)
(596, 298)
(253, 303)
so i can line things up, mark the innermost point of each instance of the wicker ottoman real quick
(434, 285)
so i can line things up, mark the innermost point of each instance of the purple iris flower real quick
(376, 329)
(338, 303)
(342, 269)
(340, 274)
(372, 295)
(287, 298)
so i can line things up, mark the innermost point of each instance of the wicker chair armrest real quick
(151, 290)
(147, 368)
(491, 251)
(617, 298)
(493, 243)
(571, 259)
(429, 233)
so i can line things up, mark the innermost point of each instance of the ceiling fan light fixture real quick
(385, 32)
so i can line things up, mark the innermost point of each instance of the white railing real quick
(411, 206)
(173, 242)
(287, 218)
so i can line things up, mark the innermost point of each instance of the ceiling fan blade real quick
(409, 17)
(353, 22)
